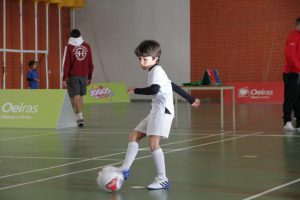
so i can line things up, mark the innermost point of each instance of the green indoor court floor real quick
(255, 161)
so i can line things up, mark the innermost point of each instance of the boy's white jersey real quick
(164, 98)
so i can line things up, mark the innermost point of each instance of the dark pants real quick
(291, 97)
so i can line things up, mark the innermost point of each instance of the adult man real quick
(291, 78)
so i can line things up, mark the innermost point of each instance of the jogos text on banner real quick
(106, 93)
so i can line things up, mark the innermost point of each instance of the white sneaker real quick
(159, 183)
(288, 127)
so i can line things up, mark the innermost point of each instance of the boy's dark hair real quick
(31, 63)
(148, 48)
(75, 33)
(297, 21)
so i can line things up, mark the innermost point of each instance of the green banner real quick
(106, 93)
(35, 109)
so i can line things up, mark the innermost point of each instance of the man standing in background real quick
(78, 70)
(291, 78)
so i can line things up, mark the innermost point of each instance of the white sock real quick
(132, 150)
(159, 160)
(79, 116)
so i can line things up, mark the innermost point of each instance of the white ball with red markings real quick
(110, 179)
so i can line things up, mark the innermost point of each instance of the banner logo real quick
(244, 92)
(9, 107)
(254, 93)
(80, 52)
(257, 92)
(101, 92)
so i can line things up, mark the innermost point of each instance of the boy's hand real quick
(196, 103)
(64, 84)
(130, 90)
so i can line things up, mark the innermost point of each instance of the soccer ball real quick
(110, 179)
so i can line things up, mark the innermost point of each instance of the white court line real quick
(52, 158)
(272, 189)
(62, 175)
(174, 131)
(209, 143)
(86, 132)
(27, 136)
(109, 155)
(91, 169)
(130, 130)
(22, 130)
(45, 134)
(40, 157)
(63, 165)
(277, 136)
(108, 159)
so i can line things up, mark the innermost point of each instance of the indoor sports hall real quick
(239, 59)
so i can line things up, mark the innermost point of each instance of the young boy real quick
(158, 123)
(32, 75)
(78, 71)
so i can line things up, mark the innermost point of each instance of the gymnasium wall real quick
(115, 28)
(244, 40)
(13, 65)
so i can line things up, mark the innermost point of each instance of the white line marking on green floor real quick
(272, 189)
(53, 158)
(101, 157)
(117, 163)
(40, 157)
(138, 187)
(250, 156)
(27, 136)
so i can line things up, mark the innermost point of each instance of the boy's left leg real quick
(161, 181)
(158, 156)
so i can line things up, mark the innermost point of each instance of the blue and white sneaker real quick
(159, 184)
(126, 173)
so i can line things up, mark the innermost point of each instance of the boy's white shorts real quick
(156, 124)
